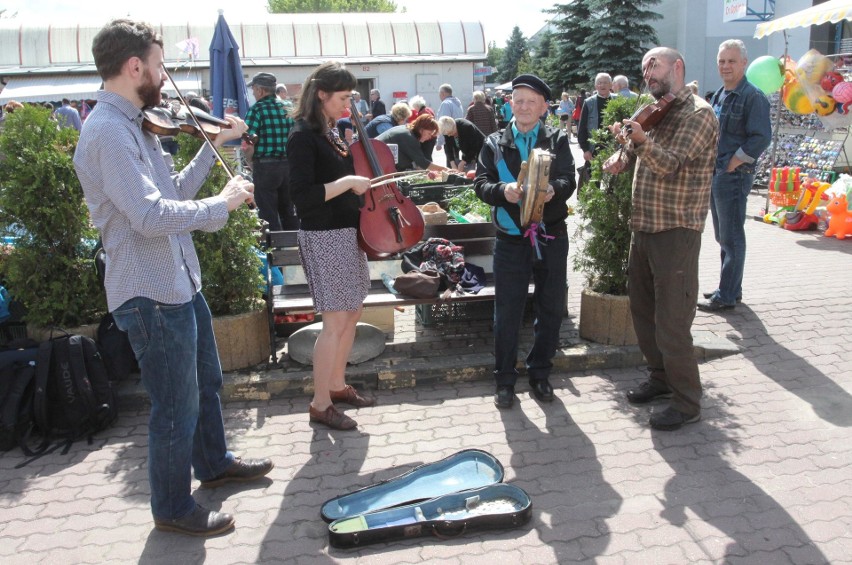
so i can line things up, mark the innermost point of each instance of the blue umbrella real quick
(226, 73)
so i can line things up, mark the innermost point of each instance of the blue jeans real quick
(728, 197)
(514, 265)
(180, 368)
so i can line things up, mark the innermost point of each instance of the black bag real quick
(73, 395)
(17, 382)
(584, 175)
(115, 349)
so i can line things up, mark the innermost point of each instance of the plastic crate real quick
(446, 312)
(424, 193)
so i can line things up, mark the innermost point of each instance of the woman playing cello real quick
(325, 190)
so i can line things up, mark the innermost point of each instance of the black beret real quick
(533, 82)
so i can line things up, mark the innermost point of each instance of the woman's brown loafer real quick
(332, 418)
(350, 396)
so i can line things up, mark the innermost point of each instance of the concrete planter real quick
(243, 339)
(605, 318)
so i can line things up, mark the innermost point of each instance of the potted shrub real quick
(49, 268)
(230, 274)
(604, 208)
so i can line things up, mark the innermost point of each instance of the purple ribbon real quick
(534, 232)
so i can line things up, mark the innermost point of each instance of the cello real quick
(390, 222)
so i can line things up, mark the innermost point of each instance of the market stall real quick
(812, 114)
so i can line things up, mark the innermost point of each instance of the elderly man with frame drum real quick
(526, 173)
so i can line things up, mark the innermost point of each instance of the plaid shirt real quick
(674, 169)
(144, 213)
(269, 120)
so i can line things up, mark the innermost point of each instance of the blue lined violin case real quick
(460, 493)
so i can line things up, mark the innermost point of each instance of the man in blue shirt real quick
(744, 133)
(146, 217)
(68, 116)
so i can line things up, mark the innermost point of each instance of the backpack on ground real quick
(73, 394)
(17, 382)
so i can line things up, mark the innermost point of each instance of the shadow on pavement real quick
(829, 400)
(705, 484)
(557, 464)
(336, 458)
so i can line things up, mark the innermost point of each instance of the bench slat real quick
(298, 303)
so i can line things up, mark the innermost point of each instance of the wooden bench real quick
(293, 297)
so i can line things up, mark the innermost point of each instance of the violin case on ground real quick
(447, 498)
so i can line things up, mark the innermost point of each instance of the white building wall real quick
(695, 28)
(411, 78)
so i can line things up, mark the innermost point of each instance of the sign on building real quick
(734, 10)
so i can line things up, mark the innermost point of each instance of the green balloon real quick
(766, 74)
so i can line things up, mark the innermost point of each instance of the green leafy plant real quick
(468, 202)
(49, 268)
(604, 207)
(230, 267)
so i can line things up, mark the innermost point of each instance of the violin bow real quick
(207, 139)
(197, 121)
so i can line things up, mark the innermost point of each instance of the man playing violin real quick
(153, 281)
(521, 254)
(671, 195)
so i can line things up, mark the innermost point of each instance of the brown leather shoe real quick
(350, 396)
(332, 418)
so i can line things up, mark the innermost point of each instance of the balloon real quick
(824, 105)
(796, 99)
(812, 66)
(830, 80)
(842, 92)
(766, 74)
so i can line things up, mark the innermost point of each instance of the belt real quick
(269, 159)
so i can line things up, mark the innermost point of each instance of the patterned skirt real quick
(336, 269)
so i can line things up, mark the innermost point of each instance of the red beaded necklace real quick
(338, 144)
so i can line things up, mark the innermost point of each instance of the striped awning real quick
(40, 88)
(832, 11)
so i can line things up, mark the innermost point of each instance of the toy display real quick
(814, 156)
(803, 216)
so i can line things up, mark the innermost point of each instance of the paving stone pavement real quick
(763, 478)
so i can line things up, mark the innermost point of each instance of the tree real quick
(545, 62)
(516, 47)
(615, 42)
(573, 26)
(49, 269)
(603, 36)
(324, 6)
(495, 55)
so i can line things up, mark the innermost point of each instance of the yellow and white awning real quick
(832, 11)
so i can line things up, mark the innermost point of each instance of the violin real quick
(164, 121)
(390, 222)
(650, 115)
